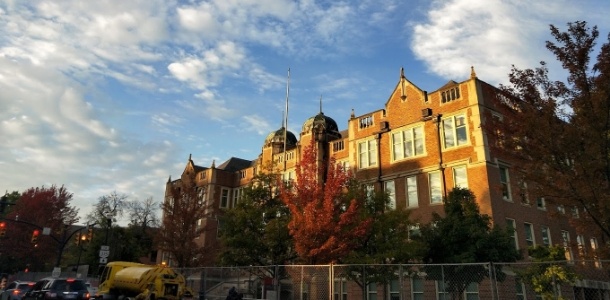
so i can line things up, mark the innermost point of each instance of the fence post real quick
(331, 275)
(492, 281)
(202, 285)
(277, 282)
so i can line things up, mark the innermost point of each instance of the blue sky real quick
(106, 95)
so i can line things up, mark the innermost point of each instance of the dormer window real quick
(450, 95)
(365, 122)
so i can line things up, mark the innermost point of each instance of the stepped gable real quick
(235, 164)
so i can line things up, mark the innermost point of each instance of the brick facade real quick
(444, 130)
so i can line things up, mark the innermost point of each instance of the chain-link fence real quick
(552, 280)
(525, 280)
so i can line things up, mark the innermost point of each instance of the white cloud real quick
(491, 35)
(257, 124)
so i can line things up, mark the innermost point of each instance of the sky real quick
(114, 95)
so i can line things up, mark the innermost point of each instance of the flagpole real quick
(286, 118)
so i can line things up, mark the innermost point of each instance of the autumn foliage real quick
(36, 208)
(325, 223)
(557, 132)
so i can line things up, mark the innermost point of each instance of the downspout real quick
(379, 173)
(440, 154)
(379, 170)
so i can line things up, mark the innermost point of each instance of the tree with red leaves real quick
(557, 132)
(326, 223)
(36, 208)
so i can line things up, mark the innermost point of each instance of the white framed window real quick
(565, 236)
(201, 195)
(541, 204)
(455, 132)
(370, 192)
(417, 288)
(394, 288)
(512, 230)
(414, 231)
(546, 235)
(580, 240)
(436, 191)
(561, 209)
(460, 177)
(594, 247)
(344, 164)
(450, 94)
(529, 234)
(389, 189)
(575, 213)
(367, 154)
(408, 143)
(441, 291)
(505, 183)
(366, 122)
(371, 291)
(198, 226)
(340, 289)
(224, 198)
(523, 195)
(519, 289)
(412, 198)
(472, 291)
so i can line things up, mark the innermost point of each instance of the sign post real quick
(104, 253)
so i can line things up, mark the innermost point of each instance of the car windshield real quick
(70, 285)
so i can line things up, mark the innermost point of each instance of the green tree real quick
(136, 240)
(464, 236)
(560, 130)
(548, 271)
(255, 232)
(7, 201)
(388, 243)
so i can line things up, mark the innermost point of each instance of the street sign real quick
(104, 253)
(103, 260)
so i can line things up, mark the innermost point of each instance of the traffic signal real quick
(77, 240)
(2, 229)
(90, 233)
(35, 235)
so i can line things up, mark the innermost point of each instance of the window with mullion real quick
(454, 131)
(367, 154)
(412, 199)
(408, 143)
(436, 191)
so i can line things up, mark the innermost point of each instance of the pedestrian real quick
(234, 295)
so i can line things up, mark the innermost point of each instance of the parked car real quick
(58, 289)
(16, 289)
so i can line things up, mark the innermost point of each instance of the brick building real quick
(418, 146)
